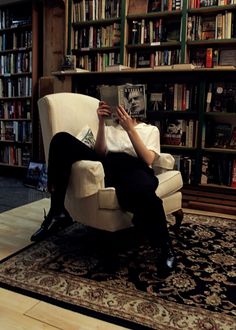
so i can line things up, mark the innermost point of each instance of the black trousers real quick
(134, 181)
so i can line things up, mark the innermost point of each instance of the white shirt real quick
(118, 140)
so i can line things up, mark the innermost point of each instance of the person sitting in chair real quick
(127, 152)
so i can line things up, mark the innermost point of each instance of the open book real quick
(131, 97)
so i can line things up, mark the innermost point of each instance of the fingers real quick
(121, 113)
(103, 109)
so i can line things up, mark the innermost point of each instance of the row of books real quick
(17, 131)
(219, 171)
(220, 135)
(149, 6)
(145, 59)
(218, 26)
(178, 132)
(20, 62)
(153, 31)
(99, 61)
(221, 97)
(15, 155)
(173, 97)
(95, 10)
(16, 87)
(97, 36)
(16, 17)
(185, 165)
(210, 3)
(15, 40)
(213, 170)
(17, 109)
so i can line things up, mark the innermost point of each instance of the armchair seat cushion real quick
(169, 183)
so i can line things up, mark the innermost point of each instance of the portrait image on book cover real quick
(132, 97)
(173, 133)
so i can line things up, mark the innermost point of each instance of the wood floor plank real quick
(16, 301)
(68, 320)
(13, 320)
(17, 226)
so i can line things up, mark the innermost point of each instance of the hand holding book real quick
(130, 97)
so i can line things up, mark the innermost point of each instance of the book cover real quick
(227, 57)
(154, 6)
(233, 177)
(222, 135)
(131, 97)
(232, 142)
(69, 62)
(174, 132)
(36, 176)
(137, 7)
(116, 67)
(223, 97)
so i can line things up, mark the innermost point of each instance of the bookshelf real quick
(18, 79)
(176, 91)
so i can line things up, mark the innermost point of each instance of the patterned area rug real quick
(113, 277)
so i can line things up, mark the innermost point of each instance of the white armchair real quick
(87, 199)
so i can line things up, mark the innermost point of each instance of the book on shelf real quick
(232, 142)
(137, 7)
(233, 176)
(227, 57)
(69, 62)
(219, 171)
(116, 67)
(222, 135)
(155, 6)
(180, 66)
(71, 71)
(223, 97)
(173, 132)
(131, 96)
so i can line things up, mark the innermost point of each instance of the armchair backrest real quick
(68, 112)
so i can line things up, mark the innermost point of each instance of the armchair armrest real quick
(87, 177)
(163, 163)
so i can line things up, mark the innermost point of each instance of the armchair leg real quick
(179, 215)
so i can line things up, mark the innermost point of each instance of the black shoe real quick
(166, 261)
(52, 224)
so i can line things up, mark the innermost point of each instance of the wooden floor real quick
(22, 312)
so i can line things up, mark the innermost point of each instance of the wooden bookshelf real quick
(18, 80)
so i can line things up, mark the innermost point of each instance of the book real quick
(174, 132)
(180, 66)
(69, 62)
(76, 70)
(223, 97)
(131, 97)
(222, 135)
(137, 7)
(227, 57)
(154, 6)
(233, 176)
(232, 142)
(36, 176)
(116, 67)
